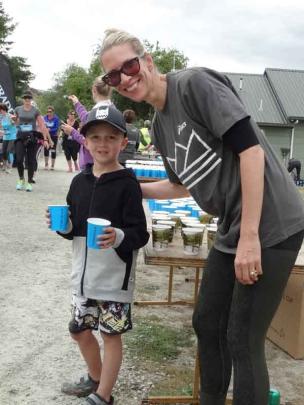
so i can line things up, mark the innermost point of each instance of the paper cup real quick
(192, 239)
(59, 216)
(160, 236)
(96, 227)
(168, 223)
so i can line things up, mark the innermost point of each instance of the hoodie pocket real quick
(104, 270)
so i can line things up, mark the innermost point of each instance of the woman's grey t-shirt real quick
(27, 119)
(201, 105)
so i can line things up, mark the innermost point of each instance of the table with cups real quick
(181, 236)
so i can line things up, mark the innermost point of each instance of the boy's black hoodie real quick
(106, 274)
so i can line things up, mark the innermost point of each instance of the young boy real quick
(103, 280)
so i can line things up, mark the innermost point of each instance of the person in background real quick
(9, 129)
(145, 136)
(213, 150)
(27, 117)
(69, 145)
(101, 94)
(294, 165)
(133, 135)
(52, 123)
(103, 280)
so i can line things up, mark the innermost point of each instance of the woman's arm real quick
(46, 135)
(79, 108)
(163, 190)
(248, 254)
(76, 135)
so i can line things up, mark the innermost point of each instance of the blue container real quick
(59, 216)
(96, 227)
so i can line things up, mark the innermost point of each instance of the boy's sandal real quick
(95, 399)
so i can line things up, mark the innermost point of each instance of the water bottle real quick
(274, 397)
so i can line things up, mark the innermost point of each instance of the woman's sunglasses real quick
(130, 68)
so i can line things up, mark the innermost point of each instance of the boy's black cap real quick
(107, 113)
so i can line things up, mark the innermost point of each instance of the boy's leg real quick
(112, 360)
(90, 350)
(115, 319)
(85, 317)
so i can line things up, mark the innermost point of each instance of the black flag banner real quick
(7, 95)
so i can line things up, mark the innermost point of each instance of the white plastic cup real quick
(96, 227)
(192, 239)
(211, 234)
(160, 236)
(59, 216)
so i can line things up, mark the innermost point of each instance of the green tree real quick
(20, 70)
(6, 28)
(73, 80)
(21, 74)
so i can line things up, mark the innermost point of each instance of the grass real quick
(179, 381)
(153, 341)
(165, 353)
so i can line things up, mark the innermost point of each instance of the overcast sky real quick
(226, 35)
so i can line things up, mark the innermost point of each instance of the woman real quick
(69, 145)
(214, 151)
(9, 135)
(52, 123)
(27, 116)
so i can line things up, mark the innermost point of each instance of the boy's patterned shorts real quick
(112, 318)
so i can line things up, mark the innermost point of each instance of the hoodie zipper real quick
(86, 247)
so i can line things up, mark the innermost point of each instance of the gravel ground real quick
(36, 351)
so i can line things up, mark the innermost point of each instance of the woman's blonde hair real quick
(115, 37)
(101, 88)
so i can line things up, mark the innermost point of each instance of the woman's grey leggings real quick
(231, 321)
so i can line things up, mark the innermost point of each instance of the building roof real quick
(258, 98)
(288, 87)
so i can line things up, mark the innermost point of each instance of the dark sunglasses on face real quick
(129, 68)
(50, 112)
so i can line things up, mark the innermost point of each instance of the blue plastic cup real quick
(96, 227)
(59, 216)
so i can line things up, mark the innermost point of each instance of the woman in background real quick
(69, 145)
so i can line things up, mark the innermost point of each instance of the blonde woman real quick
(214, 151)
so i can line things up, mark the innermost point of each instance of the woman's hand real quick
(67, 129)
(107, 239)
(247, 261)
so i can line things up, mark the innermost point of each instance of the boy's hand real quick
(107, 240)
(48, 217)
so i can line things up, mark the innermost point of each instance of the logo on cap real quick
(102, 112)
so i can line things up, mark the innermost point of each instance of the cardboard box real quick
(287, 327)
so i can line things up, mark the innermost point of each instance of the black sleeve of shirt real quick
(135, 226)
(240, 136)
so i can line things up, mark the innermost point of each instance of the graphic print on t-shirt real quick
(193, 162)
